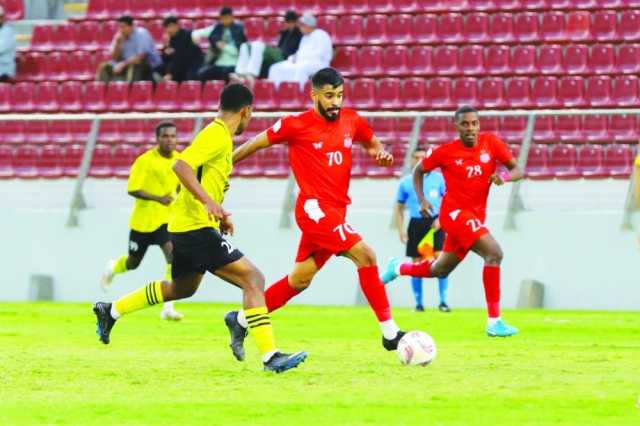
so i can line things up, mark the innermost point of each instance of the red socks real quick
(374, 291)
(419, 269)
(278, 294)
(491, 281)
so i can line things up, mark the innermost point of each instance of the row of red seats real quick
(110, 9)
(13, 9)
(54, 161)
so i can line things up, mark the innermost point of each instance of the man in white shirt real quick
(315, 52)
(7, 50)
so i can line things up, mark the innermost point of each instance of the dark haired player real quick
(469, 165)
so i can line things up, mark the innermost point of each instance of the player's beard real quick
(323, 112)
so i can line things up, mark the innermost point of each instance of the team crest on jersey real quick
(485, 157)
(348, 141)
(317, 145)
(277, 126)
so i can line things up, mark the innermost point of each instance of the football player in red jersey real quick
(469, 165)
(320, 142)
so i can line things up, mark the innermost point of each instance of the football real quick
(416, 348)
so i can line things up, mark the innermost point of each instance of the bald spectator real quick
(133, 53)
(314, 53)
(7, 50)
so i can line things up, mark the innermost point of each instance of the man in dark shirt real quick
(181, 56)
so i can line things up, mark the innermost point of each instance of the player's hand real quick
(226, 226)
(496, 179)
(404, 237)
(165, 200)
(215, 210)
(384, 158)
(436, 225)
(119, 68)
(220, 45)
(425, 207)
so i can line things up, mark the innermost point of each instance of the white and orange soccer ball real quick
(416, 348)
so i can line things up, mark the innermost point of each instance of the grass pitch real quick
(573, 368)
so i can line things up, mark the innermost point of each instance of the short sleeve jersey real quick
(152, 173)
(209, 155)
(320, 151)
(433, 187)
(467, 171)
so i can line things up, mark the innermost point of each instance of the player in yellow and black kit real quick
(197, 225)
(153, 184)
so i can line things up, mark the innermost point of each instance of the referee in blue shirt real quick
(434, 190)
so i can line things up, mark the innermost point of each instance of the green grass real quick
(574, 368)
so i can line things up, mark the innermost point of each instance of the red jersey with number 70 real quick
(467, 171)
(320, 151)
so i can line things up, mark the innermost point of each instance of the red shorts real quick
(462, 228)
(324, 231)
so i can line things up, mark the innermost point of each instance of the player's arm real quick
(144, 195)
(250, 147)
(514, 174)
(190, 182)
(418, 183)
(398, 214)
(375, 149)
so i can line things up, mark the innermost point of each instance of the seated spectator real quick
(225, 41)
(314, 53)
(7, 50)
(181, 56)
(133, 53)
(256, 58)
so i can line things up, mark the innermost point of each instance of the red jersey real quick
(467, 171)
(320, 151)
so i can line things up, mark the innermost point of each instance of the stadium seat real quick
(12, 132)
(71, 160)
(14, 9)
(49, 163)
(100, 162)
(629, 25)
(413, 93)
(449, 28)
(356, 8)
(544, 92)
(370, 60)
(603, 25)
(190, 96)
(512, 129)
(289, 96)
(591, 162)
(618, 161)
(628, 59)
(144, 9)
(538, 163)
(518, 92)
(403, 128)
(95, 96)
(563, 161)
(526, 27)
(349, 30)
(420, 61)
(424, 29)
(329, 23)
(578, 26)
(25, 161)
(382, 6)
(598, 91)
(98, 10)
(46, 97)
(601, 59)
(36, 132)
(476, 28)
(22, 98)
(374, 29)
(571, 92)
(437, 130)
(185, 128)
(117, 96)
(575, 59)
(274, 162)
(439, 93)
(264, 96)
(624, 91)
(6, 162)
(110, 132)
(524, 60)
(141, 96)
(552, 26)
(497, 60)
(624, 128)
(543, 131)
(156, 29)
(471, 60)
(79, 130)
(445, 60)
(491, 93)
(41, 38)
(383, 127)
(568, 128)
(59, 132)
(63, 38)
(82, 66)
(550, 59)
(211, 95)
(388, 94)
(399, 29)
(394, 60)
(500, 28)
(56, 67)
(30, 66)
(137, 132)
(122, 158)
(464, 91)
(346, 60)
(260, 8)
(361, 93)
(254, 28)
(5, 98)
(596, 128)
(165, 96)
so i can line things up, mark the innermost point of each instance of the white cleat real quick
(107, 277)
(171, 315)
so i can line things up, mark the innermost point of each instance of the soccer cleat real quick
(107, 277)
(443, 307)
(279, 362)
(391, 271)
(238, 334)
(171, 315)
(501, 329)
(419, 308)
(104, 322)
(392, 344)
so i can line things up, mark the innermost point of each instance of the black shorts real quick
(418, 228)
(201, 250)
(139, 242)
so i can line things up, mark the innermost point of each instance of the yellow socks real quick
(143, 297)
(120, 266)
(167, 273)
(261, 329)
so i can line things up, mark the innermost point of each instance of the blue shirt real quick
(433, 188)
(140, 41)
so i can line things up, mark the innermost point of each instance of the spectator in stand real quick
(256, 58)
(181, 56)
(7, 50)
(133, 53)
(225, 41)
(314, 53)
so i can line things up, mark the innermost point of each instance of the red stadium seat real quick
(274, 162)
(383, 127)
(538, 163)
(571, 92)
(12, 132)
(601, 59)
(329, 23)
(82, 66)
(491, 124)
(41, 38)
(374, 29)
(264, 96)
(624, 128)
(512, 129)
(211, 94)
(544, 92)
(624, 91)
(346, 60)
(122, 159)
(388, 94)
(71, 160)
(382, 6)
(56, 67)
(598, 91)
(349, 30)
(36, 132)
(30, 66)
(356, 8)
(185, 128)
(491, 93)
(618, 161)
(445, 60)
(465, 91)
(424, 29)
(497, 60)
(544, 131)
(14, 9)
(629, 25)
(137, 132)
(117, 96)
(471, 60)
(449, 28)
(501, 28)
(190, 96)
(289, 96)
(603, 25)
(111, 132)
(413, 93)
(59, 132)
(100, 167)
(526, 27)
(628, 59)
(5, 98)
(22, 97)
(141, 96)
(403, 128)
(98, 9)
(524, 60)
(79, 130)
(591, 162)
(437, 130)
(550, 59)
(481, 5)
(105, 34)
(46, 97)
(362, 93)
(575, 59)
(420, 60)
(568, 128)
(94, 96)
(399, 29)
(6, 162)
(394, 60)
(476, 28)
(578, 26)
(518, 92)
(552, 26)
(144, 9)
(254, 28)
(439, 93)
(165, 96)
(156, 29)
(49, 164)
(25, 160)
(596, 128)
(193, 8)
(370, 60)
(563, 160)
